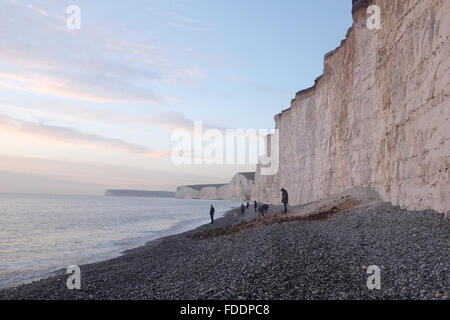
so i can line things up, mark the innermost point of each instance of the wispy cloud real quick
(8, 85)
(173, 14)
(40, 83)
(89, 66)
(68, 135)
(169, 121)
(37, 10)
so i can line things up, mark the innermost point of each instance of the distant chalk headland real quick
(139, 193)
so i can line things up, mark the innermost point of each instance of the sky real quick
(95, 108)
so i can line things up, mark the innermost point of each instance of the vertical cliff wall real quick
(378, 117)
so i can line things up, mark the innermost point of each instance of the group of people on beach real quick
(261, 209)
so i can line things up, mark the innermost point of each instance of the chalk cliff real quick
(240, 188)
(378, 117)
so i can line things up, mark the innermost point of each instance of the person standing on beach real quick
(256, 206)
(248, 204)
(211, 213)
(284, 199)
(262, 208)
(242, 209)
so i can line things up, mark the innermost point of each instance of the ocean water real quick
(40, 234)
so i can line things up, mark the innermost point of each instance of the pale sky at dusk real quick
(89, 109)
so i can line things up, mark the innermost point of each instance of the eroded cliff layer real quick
(378, 117)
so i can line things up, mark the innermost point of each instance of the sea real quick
(40, 234)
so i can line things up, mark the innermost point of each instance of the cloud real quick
(11, 86)
(172, 14)
(135, 47)
(40, 55)
(64, 87)
(69, 136)
(37, 10)
(169, 121)
(153, 155)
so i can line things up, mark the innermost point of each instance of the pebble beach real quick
(276, 258)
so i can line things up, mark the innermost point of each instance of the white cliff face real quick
(208, 193)
(185, 192)
(224, 193)
(266, 188)
(379, 116)
(240, 188)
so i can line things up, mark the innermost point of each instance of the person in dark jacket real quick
(256, 206)
(242, 209)
(211, 213)
(284, 199)
(262, 208)
(248, 204)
